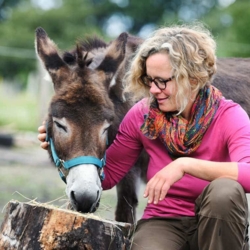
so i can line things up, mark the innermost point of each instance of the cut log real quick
(38, 226)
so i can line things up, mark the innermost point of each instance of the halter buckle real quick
(61, 173)
(101, 174)
(61, 165)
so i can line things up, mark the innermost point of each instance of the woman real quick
(198, 143)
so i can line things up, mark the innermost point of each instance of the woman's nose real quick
(154, 89)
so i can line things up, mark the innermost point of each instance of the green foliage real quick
(5, 6)
(74, 20)
(230, 28)
(157, 12)
(64, 26)
(239, 30)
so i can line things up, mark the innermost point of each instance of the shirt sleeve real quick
(125, 149)
(244, 175)
(237, 132)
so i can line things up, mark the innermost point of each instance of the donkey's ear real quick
(48, 52)
(115, 55)
(114, 64)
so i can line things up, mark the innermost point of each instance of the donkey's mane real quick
(86, 45)
(91, 43)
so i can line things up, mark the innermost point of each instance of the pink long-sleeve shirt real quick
(226, 140)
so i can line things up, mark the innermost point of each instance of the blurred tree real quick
(5, 8)
(64, 25)
(144, 16)
(230, 28)
(66, 20)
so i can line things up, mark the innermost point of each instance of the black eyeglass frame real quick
(148, 81)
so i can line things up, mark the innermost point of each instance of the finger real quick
(157, 191)
(151, 189)
(145, 194)
(41, 137)
(146, 191)
(164, 191)
(42, 129)
(44, 145)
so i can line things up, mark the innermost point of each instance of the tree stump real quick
(38, 226)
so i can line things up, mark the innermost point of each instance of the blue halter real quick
(66, 165)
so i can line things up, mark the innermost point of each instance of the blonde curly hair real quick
(191, 51)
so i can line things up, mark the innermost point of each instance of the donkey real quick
(88, 106)
(84, 115)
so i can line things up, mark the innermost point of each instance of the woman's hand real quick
(158, 186)
(42, 136)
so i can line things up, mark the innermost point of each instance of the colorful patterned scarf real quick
(182, 137)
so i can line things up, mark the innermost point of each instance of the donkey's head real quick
(80, 114)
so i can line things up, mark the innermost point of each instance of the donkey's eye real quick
(60, 126)
(105, 130)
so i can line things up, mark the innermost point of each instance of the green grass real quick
(26, 183)
(18, 111)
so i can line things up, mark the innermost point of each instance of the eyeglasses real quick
(160, 83)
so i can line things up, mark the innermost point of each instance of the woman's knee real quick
(223, 198)
(159, 234)
(223, 189)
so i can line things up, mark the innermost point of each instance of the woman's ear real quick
(193, 81)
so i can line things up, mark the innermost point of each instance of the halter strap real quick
(66, 165)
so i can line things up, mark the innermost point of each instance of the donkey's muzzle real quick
(86, 203)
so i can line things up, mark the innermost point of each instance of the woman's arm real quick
(159, 185)
(234, 126)
(125, 149)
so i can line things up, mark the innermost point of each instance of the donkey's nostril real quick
(83, 202)
(96, 204)
(72, 196)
